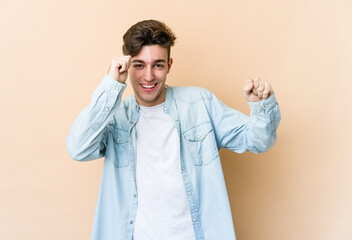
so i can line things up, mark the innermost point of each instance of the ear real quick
(169, 64)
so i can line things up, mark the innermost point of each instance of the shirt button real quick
(131, 222)
(266, 105)
(106, 109)
(165, 108)
(183, 168)
(117, 88)
(134, 195)
(131, 122)
(118, 139)
(198, 137)
(194, 219)
(189, 193)
(176, 119)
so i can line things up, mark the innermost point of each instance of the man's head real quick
(146, 33)
(148, 43)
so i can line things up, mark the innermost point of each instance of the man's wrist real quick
(265, 104)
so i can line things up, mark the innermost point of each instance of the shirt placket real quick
(171, 109)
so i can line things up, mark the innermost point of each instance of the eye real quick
(160, 66)
(138, 66)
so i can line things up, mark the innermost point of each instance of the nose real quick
(149, 74)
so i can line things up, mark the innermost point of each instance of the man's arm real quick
(240, 133)
(88, 134)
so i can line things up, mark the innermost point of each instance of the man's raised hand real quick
(118, 68)
(256, 90)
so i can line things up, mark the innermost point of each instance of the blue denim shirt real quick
(204, 124)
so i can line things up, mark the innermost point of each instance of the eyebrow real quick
(141, 61)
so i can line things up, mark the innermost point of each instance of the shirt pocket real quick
(120, 151)
(200, 140)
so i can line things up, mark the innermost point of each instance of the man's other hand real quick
(118, 69)
(256, 90)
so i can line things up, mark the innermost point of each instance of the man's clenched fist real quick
(118, 68)
(256, 90)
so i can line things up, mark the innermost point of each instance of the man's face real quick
(148, 73)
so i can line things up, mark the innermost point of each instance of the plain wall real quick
(54, 53)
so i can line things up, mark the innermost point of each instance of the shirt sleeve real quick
(240, 133)
(88, 135)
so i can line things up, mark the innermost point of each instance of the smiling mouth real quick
(149, 87)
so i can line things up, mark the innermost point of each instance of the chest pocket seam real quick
(201, 144)
(120, 150)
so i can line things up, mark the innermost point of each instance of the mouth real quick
(148, 88)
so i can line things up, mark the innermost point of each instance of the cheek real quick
(161, 75)
(134, 75)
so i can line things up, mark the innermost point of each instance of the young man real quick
(162, 176)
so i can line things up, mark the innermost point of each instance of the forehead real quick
(151, 53)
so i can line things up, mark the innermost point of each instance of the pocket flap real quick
(198, 133)
(120, 136)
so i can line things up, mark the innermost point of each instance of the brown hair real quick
(147, 32)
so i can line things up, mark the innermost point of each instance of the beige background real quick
(54, 53)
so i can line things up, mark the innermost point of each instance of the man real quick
(162, 176)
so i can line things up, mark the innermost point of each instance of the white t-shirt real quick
(163, 212)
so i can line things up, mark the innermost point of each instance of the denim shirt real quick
(204, 124)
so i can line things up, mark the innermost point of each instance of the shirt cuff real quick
(266, 104)
(112, 86)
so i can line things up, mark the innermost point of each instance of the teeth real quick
(148, 86)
